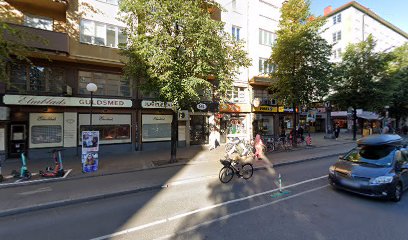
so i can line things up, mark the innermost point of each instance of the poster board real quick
(90, 148)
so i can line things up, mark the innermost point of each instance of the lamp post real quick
(329, 129)
(91, 87)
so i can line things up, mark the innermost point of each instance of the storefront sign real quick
(90, 148)
(156, 119)
(65, 101)
(201, 106)
(268, 109)
(235, 107)
(156, 104)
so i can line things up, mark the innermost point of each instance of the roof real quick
(383, 139)
(369, 13)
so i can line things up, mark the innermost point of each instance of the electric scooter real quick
(24, 173)
(58, 170)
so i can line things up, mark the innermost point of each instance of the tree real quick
(174, 46)
(301, 56)
(361, 79)
(399, 75)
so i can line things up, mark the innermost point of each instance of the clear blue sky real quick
(393, 11)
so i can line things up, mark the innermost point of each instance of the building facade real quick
(353, 23)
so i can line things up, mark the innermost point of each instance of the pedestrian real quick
(259, 147)
(385, 130)
(337, 131)
(300, 132)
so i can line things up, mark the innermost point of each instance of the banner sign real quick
(156, 104)
(90, 148)
(269, 109)
(65, 101)
(311, 116)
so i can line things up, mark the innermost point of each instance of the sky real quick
(393, 11)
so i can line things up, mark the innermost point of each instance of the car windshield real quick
(374, 155)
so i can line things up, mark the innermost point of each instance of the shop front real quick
(266, 120)
(155, 125)
(235, 122)
(203, 123)
(40, 123)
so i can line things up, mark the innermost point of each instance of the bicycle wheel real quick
(247, 171)
(226, 174)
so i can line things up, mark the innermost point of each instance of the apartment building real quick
(47, 104)
(256, 23)
(353, 23)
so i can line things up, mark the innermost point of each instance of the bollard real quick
(280, 183)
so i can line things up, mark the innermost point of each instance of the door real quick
(404, 172)
(18, 139)
(199, 130)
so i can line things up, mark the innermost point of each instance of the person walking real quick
(337, 131)
(259, 147)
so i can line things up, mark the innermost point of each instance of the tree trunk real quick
(354, 123)
(174, 126)
(294, 137)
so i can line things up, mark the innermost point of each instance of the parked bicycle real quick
(241, 147)
(233, 167)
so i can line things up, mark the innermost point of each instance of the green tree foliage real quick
(11, 49)
(301, 56)
(361, 79)
(174, 47)
(399, 76)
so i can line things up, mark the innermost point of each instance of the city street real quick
(207, 209)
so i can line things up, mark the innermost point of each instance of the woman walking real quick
(259, 147)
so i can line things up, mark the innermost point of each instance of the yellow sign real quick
(269, 109)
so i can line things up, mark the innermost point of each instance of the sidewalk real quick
(83, 187)
(134, 161)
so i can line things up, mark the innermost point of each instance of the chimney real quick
(328, 10)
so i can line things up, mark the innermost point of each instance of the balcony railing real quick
(261, 81)
(55, 9)
(43, 39)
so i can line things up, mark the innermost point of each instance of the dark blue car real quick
(377, 167)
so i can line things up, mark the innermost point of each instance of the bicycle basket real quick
(225, 162)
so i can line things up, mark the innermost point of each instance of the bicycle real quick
(230, 168)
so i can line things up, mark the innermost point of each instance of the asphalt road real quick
(207, 209)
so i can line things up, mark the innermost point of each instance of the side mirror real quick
(341, 157)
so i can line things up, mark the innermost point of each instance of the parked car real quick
(377, 167)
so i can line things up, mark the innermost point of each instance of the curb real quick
(67, 202)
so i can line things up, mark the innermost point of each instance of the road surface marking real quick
(239, 213)
(40, 190)
(130, 230)
(21, 182)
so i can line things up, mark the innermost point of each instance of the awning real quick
(369, 116)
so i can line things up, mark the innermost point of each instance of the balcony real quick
(47, 40)
(55, 9)
(261, 81)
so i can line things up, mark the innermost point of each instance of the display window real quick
(46, 130)
(156, 127)
(46, 134)
(113, 128)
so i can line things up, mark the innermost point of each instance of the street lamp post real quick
(91, 87)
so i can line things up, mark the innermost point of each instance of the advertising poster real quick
(90, 148)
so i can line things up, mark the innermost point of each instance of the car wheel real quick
(396, 197)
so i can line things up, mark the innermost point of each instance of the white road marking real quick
(130, 230)
(185, 181)
(40, 190)
(239, 213)
(21, 182)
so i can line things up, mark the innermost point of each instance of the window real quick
(101, 34)
(37, 79)
(110, 132)
(266, 37)
(265, 97)
(336, 36)
(38, 22)
(108, 84)
(234, 5)
(235, 32)
(334, 54)
(265, 67)
(156, 128)
(46, 134)
(337, 19)
(339, 52)
(237, 95)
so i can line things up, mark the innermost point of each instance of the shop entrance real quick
(199, 130)
(18, 139)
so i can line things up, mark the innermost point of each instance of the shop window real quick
(36, 79)
(46, 134)
(236, 125)
(156, 132)
(108, 84)
(110, 132)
